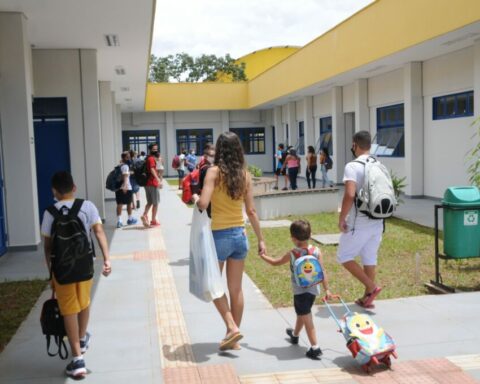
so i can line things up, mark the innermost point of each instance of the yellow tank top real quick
(226, 212)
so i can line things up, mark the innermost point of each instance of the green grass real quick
(16, 300)
(397, 270)
(172, 182)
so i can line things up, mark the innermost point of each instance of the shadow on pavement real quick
(290, 352)
(180, 263)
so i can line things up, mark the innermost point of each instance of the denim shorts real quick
(231, 242)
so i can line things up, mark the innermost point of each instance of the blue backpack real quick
(306, 267)
(114, 179)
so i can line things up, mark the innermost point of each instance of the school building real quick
(74, 93)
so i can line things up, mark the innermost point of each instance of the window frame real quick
(390, 124)
(470, 98)
(301, 138)
(192, 136)
(248, 138)
(325, 130)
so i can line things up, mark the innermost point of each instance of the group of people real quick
(227, 191)
(184, 161)
(289, 166)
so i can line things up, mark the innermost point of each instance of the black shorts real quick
(123, 198)
(303, 303)
(279, 171)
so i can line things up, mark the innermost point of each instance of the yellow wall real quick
(196, 96)
(381, 29)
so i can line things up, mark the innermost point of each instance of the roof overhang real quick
(70, 24)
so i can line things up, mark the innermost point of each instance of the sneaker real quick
(293, 339)
(138, 204)
(314, 353)
(132, 221)
(76, 369)
(154, 223)
(119, 224)
(285, 189)
(85, 344)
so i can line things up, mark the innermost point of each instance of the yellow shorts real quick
(73, 298)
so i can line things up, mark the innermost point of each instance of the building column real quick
(362, 113)
(225, 122)
(93, 152)
(338, 133)
(171, 142)
(108, 135)
(292, 123)
(118, 128)
(277, 122)
(17, 141)
(413, 129)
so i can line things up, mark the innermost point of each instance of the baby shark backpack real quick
(305, 266)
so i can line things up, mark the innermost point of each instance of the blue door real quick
(52, 155)
(3, 235)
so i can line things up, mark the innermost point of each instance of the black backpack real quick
(328, 163)
(140, 172)
(72, 251)
(53, 326)
(114, 179)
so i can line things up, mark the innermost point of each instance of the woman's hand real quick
(195, 198)
(262, 250)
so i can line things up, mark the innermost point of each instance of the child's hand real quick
(328, 295)
(107, 268)
(262, 250)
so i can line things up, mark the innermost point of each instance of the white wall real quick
(348, 98)
(386, 88)
(322, 105)
(446, 141)
(57, 74)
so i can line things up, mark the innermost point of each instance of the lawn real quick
(16, 301)
(400, 272)
(172, 182)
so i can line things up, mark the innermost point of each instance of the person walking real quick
(154, 182)
(135, 187)
(360, 235)
(311, 167)
(124, 196)
(191, 160)
(280, 157)
(292, 162)
(228, 186)
(325, 165)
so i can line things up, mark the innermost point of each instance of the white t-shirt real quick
(182, 162)
(88, 214)
(355, 172)
(126, 171)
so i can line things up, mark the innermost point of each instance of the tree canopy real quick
(184, 68)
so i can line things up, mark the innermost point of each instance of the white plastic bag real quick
(205, 278)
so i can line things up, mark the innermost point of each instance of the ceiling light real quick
(119, 70)
(112, 40)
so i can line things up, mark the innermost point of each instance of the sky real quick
(239, 27)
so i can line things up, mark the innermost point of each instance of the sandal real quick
(361, 303)
(229, 341)
(369, 297)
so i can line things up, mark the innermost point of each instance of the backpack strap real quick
(77, 205)
(54, 211)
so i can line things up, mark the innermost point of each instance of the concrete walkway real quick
(148, 328)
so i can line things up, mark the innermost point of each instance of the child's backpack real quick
(328, 163)
(190, 185)
(176, 162)
(72, 251)
(140, 172)
(306, 267)
(376, 198)
(51, 321)
(114, 179)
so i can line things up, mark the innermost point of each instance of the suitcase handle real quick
(325, 300)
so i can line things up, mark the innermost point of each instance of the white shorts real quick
(360, 242)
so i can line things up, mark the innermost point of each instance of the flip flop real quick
(361, 303)
(230, 341)
(144, 221)
(371, 296)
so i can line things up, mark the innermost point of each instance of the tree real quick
(183, 67)
(474, 157)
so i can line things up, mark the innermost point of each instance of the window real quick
(301, 138)
(252, 139)
(140, 140)
(195, 139)
(452, 106)
(390, 132)
(326, 134)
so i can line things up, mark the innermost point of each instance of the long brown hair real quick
(231, 162)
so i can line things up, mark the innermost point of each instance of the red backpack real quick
(190, 185)
(176, 162)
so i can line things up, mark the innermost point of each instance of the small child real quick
(74, 297)
(303, 298)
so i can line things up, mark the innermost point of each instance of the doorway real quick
(349, 132)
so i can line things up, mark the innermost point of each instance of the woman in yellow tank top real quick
(228, 188)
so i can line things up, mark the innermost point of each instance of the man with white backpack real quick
(368, 199)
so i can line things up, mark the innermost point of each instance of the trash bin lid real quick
(461, 196)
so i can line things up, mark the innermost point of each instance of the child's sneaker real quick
(76, 369)
(132, 221)
(314, 353)
(84, 344)
(119, 224)
(293, 339)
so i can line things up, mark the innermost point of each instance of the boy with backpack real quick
(307, 271)
(66, 228)
(368, 199)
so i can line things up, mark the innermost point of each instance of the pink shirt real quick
(292, 163)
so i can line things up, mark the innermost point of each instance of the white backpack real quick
(376, 198)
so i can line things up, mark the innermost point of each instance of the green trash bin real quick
(461, 227)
